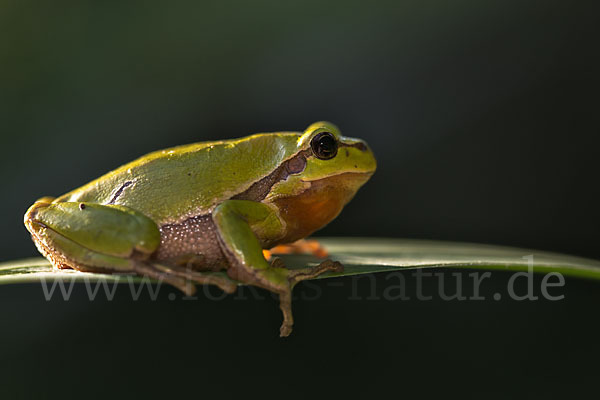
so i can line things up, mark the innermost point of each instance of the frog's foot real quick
(280, 280)
(285, 304)
(302, 246)
(295, 276)
(203, 278)
(152, 272)
(298, 275)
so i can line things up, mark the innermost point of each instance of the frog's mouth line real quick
(344, 176)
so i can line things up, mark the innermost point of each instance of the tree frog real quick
(180, 213)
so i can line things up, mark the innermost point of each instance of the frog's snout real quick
(31, 214)
(365, 157)
(362, 146)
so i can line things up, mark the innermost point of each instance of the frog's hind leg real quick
(100, 238)
(89, 237)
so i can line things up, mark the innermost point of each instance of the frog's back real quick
(174, 184)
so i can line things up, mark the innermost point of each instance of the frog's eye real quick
(324, 145)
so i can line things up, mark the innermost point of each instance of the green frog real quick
(178, 214)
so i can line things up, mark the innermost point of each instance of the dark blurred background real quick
(484, 119)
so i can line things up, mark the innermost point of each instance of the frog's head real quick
(329, 154)
(324, 175)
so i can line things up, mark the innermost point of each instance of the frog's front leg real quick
(241, 223)
(106, 238)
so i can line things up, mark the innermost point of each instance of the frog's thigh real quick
(90, 236)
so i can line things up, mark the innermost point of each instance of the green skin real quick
(176, 213)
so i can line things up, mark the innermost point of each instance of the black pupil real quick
(325, 145)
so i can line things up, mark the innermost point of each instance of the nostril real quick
(361, 146)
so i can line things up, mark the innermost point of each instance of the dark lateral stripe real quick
(259, 190)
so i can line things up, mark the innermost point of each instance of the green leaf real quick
(365, 255)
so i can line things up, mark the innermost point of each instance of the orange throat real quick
(318, 205)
